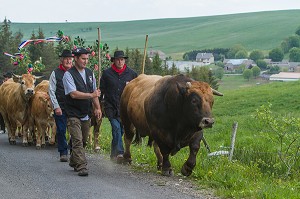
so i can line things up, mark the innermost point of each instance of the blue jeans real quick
(117, 142)
(61, 124)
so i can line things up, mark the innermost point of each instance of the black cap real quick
(118, 54)
(66, 53)
(79, 51)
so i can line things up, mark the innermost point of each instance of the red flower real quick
(93, 53)
(107, 56)
(30, 70)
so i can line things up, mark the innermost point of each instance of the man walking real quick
(80, 90)
(112, 84)
(57, 96)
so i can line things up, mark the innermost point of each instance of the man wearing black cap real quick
(112, 84)
(57, 96)
(80, 90)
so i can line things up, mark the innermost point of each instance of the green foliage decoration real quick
(93, 58)
(23, 64)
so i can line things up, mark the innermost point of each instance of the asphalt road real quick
(29, 173)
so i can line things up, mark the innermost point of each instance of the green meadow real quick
(175, 36)
(255, 171)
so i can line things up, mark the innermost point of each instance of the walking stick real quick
(99, 57)
(145, 52)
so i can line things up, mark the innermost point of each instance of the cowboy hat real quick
(66, 53)
(118, 54)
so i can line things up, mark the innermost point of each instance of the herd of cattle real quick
(23, 104)
(171, 110)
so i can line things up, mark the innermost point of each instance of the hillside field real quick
(175, 36)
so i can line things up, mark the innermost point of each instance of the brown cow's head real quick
(199, 102)
(45, 100)
(27, 83)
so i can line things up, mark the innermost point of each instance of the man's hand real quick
(58, 111)
(98, 113)
(96, 93)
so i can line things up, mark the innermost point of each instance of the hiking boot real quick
(120, 159)
(83, 172)
(63, 158)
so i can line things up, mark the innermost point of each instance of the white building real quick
(285, 76)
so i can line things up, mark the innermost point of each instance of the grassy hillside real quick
(260, 30)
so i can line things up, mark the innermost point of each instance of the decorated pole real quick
(145, 52)
(99, 57)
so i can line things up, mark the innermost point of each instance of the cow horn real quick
(188, 84)
(38, 77)
(17, 76)
(215, 92)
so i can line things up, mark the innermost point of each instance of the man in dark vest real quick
(80, 90)
(112, 84)
(57, 96)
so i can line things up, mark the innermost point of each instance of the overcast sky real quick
(128, 10)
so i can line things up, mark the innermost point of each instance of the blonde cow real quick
(14, 104)
(41, 115)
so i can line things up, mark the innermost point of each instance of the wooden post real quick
(206, 144)
(145, 53)
(99, 57)
(234, 129)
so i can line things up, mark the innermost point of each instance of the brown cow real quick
(14, 103)
(41, 116)
(44, 87)
(172, 111)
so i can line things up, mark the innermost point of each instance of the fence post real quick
(233, 135)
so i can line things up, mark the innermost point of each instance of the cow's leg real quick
(158, 156)
(166, 166)
(96, 134)
(38, 136)
(25, 133)
(128, 137)
(13, 127)
(19, 131)
(194, 146)
(10, 134)
(53, 133)
(44, 129)
(29, 128)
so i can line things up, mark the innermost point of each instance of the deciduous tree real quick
(255, 71)
(247, 74)
(294, 54)
(256, 55)
(276, 54)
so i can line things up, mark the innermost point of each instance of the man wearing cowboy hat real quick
(112, 84)
(80, 90)
(57, 96)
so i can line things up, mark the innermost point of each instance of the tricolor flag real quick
(24, 43)
(7, 54)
